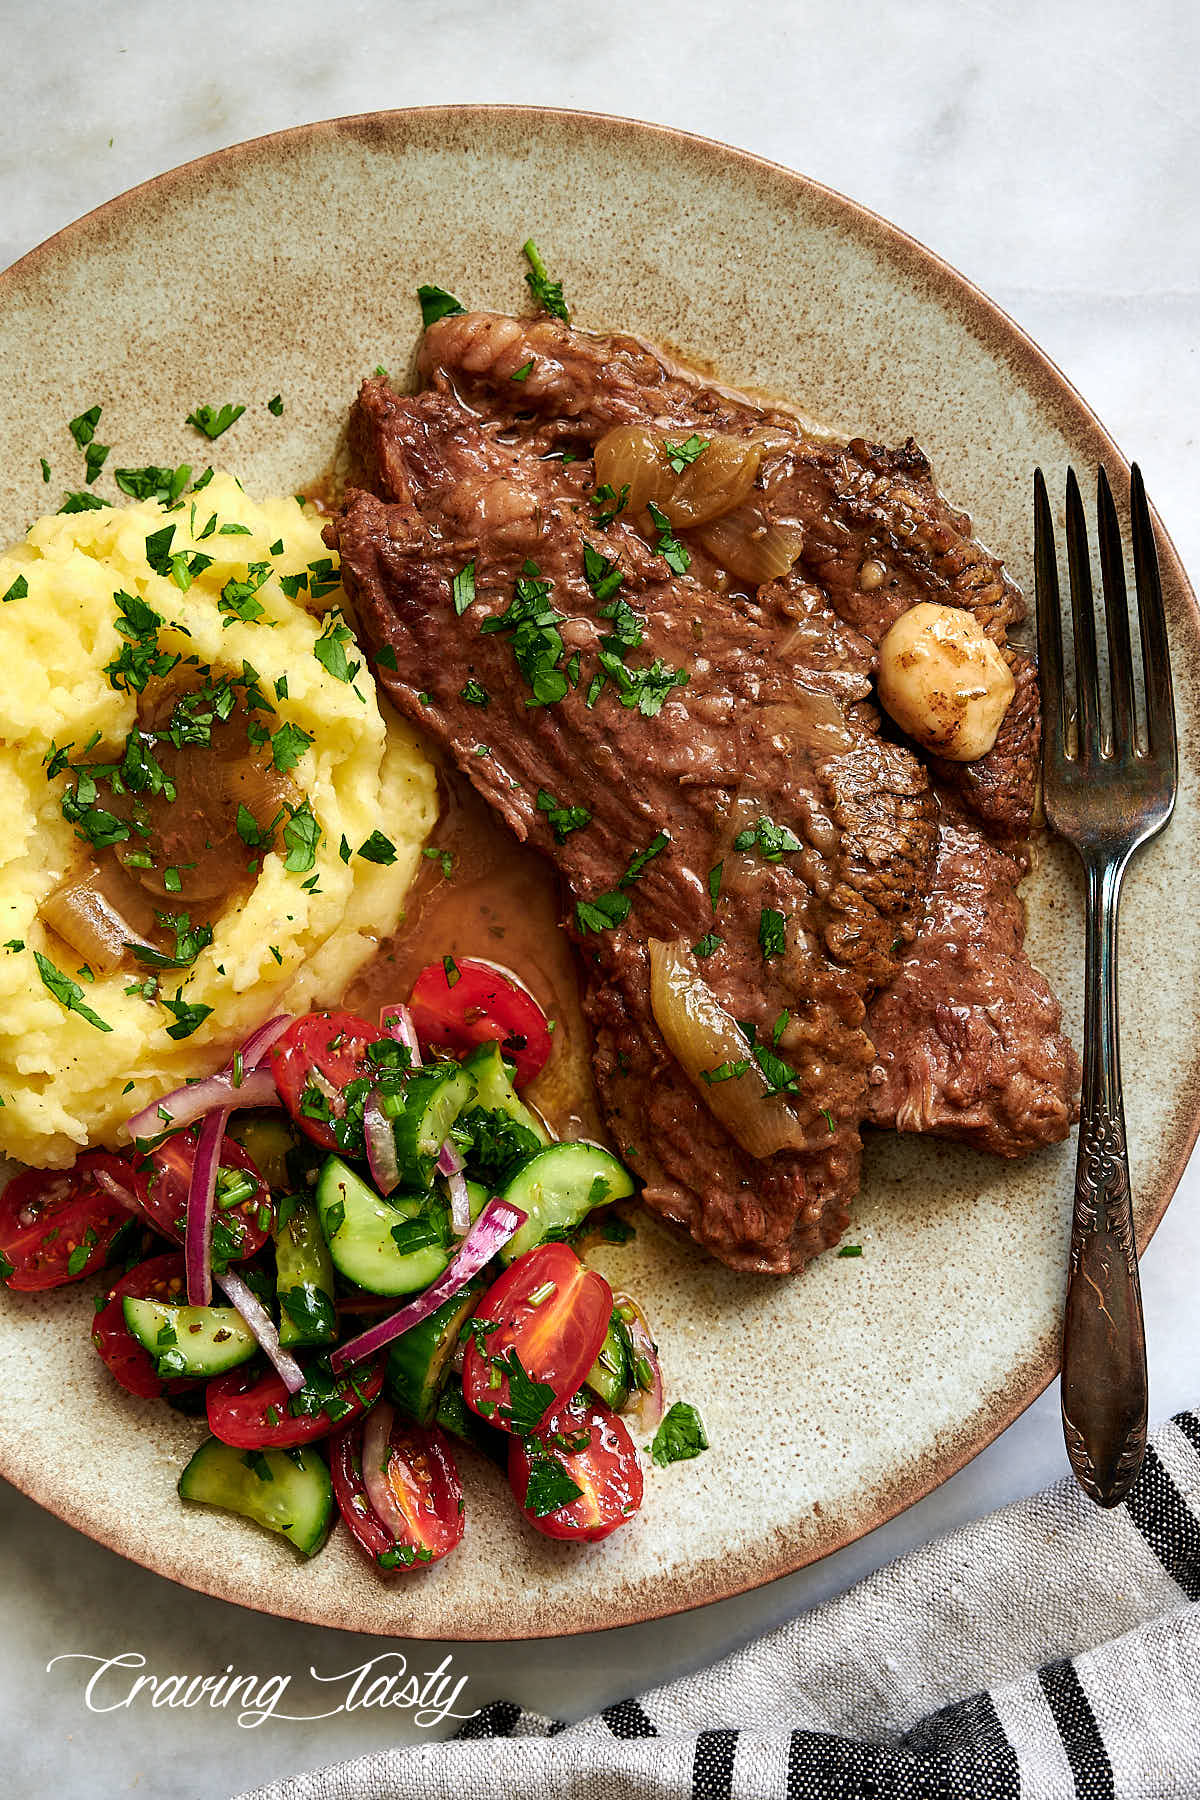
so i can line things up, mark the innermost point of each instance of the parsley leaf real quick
(708, 943)
(522, 373)
(378, 849)
(330, 649)
(475, 693)
(680, 455)
(657, 844)
(436, 304)
(81, 502)
(17, 591)
(189, 1014)
(301, 836)
(212, 421)
(772, 933)
(680, 1436)
(275, 405)
(154, 483)
(549, 1485)
(288, 746)
(669, 547)
(726, 1071)
(602, 912)
(609, 503)
(462, 588)
(68, 993)
(562, 820)
(773, 842)
(528, 1400)
(83, 428)
(602, 574)
(547, 293)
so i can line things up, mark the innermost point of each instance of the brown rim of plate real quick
(993, 326)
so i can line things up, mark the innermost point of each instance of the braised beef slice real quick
(967, 1037)
(754, 733)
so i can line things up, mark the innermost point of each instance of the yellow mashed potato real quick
(299, 936)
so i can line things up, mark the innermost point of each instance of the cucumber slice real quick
(418, 1363)
(190, 1340)
(494, 1089)
(303, 1276)
(455, 1416)
(611, 1375)
(558, 1189)
(288, 1491)
(422, 1115)
(359, 1227)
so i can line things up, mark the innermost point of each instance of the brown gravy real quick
(499, 901)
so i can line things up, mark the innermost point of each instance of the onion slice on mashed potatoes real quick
(292, 941)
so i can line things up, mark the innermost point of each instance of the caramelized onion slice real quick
(719, 478)
(744, 543)
(701, 1036)
(78, 912)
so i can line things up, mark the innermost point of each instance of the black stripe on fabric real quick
(628, 1719)
(1158, 1510)
(712, 1766)
(959, 1753)
(1076, 1722)
(496, 1719)
(1189, 1424)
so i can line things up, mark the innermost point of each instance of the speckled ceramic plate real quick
(834, 1399)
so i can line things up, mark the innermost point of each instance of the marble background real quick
(1050, 152)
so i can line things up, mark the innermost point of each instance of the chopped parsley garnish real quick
(680, 455)
(602, 574)
(275, 405)
(436, 304)
(213, 420)
(726, 1071)
(452, 971)
(527, 1400)
(627, 629)
(547, 293)
(714, 882)
(330, 649)
(189, 1014)
(773, 842)
(522, 373)
(378, 849)
(496, 1145)
(708, 943)
(153, 483)
(403, 1556)
(669, 547)
(301, 836)
(78, 502)
(462, 588)
(562, 820)
(190, 940)
(781, 1077)
(680, 1436)
(83, 428)
(657, 844)
(139, 656)
(609, 503)
(68, 993)
(17, 591)
(95, 457)
(45, 470)
(828, 1118)
(445, 857)
(772, 933)
(549, 1485)
(475, 693)
(645, 688)
(288, 745)
(850, 1250)
(536, 643)
(602, 912)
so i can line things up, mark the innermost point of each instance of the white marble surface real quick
(1050, 152)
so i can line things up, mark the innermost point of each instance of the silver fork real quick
(1108, 789)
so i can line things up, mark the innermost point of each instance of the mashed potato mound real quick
(300, 935)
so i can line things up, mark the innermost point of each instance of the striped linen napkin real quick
(1048, 1652)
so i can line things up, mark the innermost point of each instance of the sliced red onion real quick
(380, 1135)
(112, 1187)
(651, 1402)
(498, 1222)
(376, 1455)
(397, 1021)
(260, 1041)
(450, 1164)
(202, 1188)
(193, 1100)
(261, 1324)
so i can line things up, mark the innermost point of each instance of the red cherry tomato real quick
(469, 1003)
(605, 1469)
(554, 1313)
(314, 1062)
(425, 1487)
(58, 1225)
(252, 1411)
(161, 1278)
(242, 1228)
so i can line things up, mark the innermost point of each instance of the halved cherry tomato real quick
(316, 1060)
(161, 1278)
(605, 1468)
(239, 1230)
(253, 1411)
(554, 1313)
(58, 1225)
(424, 1484)
(462, 1003)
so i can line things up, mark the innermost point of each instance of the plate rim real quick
(1002, 334)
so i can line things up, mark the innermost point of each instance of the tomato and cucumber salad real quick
(374, 1272)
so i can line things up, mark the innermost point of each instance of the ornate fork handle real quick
(1104, 1395)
